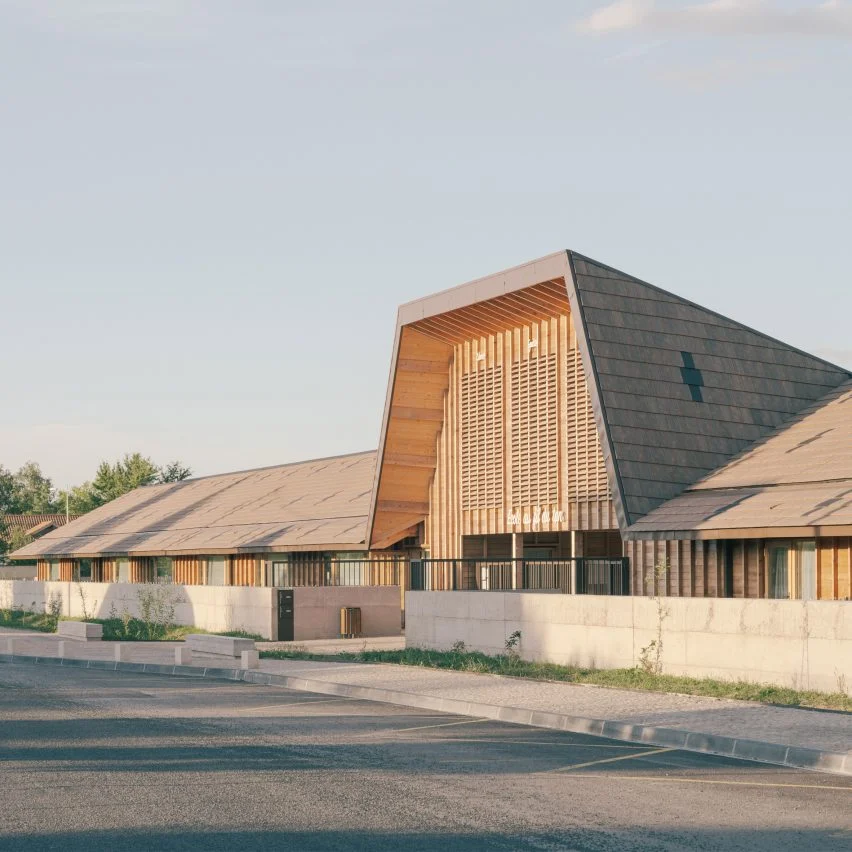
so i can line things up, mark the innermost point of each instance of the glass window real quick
(164, 569)
(281, 574)
(54, 569)
(807, 570)
(85, 569)
(779, 571)
(216, 571)
(123, 570)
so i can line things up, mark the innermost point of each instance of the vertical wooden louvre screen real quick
(141, 569)
(244, 570)
(482, 438)
(587, 477)
(188, 570)
(535, 444)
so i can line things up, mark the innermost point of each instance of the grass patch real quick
(115, 629)
(137, 630)
(23, 619)
(512, 666)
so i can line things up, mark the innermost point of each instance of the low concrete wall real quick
(220, 608)
(214, 608)
(18, 572)
(316, 611)
(807, 645)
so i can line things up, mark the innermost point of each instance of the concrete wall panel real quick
(789, 643)
(219, 608)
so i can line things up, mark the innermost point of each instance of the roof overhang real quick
(740, 532)
(470, 308)
(83, 553)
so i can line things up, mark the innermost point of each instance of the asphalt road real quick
(95, 760)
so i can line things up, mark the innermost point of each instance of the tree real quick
(174, 471)
(8, 499)
(33, 490)
(4, 543)
(80, 499)
(30, 491)
(17, 538)
(113, 480)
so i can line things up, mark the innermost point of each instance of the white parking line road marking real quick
(536, 742)
(426, 727)
(675, 779)
(290, 704)
(633, 756)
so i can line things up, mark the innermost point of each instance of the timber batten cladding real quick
(527, 472)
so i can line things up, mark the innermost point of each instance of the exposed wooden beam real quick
(408, 460)
(405, 412)
(403, 506)
(412, 365)
(392, 537)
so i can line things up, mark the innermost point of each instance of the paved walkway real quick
(797, 728)
(335, 646)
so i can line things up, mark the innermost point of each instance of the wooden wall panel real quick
(553, 476)
(738, 551)
(66, 570)
(481, 432)
(188, 570)
(142, 569)
(834, 569)
(699, 569)
(534, 431)
(417, 413)
(244, 569)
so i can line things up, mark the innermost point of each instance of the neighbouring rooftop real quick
(312, 505)
(797, 478)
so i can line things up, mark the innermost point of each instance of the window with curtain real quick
(779, 571)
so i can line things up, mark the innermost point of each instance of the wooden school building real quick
(563, 425)
(559, 426)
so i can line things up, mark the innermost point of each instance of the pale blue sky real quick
(211, 210)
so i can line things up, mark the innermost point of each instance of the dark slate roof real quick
(680, 389)
(800, 476)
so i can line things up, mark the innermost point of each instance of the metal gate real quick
(285, 615)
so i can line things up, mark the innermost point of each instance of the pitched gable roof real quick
(679, 389)
(313, 505)
(798, 478)
(35, 523)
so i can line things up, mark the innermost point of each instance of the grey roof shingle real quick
(799, 476)
(679, 388)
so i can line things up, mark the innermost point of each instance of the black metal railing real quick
(590, 575)
(339, 572)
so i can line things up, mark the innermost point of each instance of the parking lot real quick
(103, 760)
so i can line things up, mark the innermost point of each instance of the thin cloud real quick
(829, 19)
(723, 71)
(141, 18)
